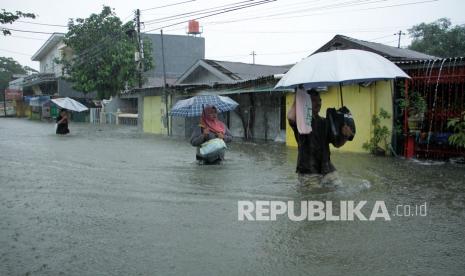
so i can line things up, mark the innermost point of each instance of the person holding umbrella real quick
(209, 128)
(62, 123)
(331, 68)
(313, 157)
(211, 134)
(63, 117)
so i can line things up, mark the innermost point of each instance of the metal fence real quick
(97, 116)
(7, 108)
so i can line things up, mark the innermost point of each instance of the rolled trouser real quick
(330, 180)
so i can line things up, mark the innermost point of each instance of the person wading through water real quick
(210, 127)
(313, 160)
(62, 123)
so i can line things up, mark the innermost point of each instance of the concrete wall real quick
(181, 52)
(363, 102)
(65, 89)
(267, 117)
(125, 105)
(180, 126)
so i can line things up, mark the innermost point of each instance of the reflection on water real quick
(109, 200)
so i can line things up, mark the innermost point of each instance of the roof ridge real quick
(371, 44)
(245, 63)
(384, 45)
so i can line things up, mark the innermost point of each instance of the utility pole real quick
(4, 101)
(253, 54)
(400, 33)
(164, 84)
(139, 48)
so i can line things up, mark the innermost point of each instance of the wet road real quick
(111, 201)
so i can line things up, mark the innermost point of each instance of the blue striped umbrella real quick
(194, 106)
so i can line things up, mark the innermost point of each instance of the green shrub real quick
(380, 133)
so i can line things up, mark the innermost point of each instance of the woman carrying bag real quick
(210, 137)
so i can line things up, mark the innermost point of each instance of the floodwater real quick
(112, 201)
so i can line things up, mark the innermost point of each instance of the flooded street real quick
(112, 201)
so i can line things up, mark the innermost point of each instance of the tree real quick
(8, 67)
(9, 17)
(438, 38)
(103, 54)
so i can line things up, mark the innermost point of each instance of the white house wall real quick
(48, 65)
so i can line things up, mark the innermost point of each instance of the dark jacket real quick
(313, 148)
(197, 139)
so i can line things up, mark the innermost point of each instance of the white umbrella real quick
(70, 104)
(340, 67)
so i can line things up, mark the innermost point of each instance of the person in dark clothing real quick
(62, 122)
(209, 128)
(313, 156)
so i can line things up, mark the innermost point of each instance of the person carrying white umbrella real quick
(313, 162)
(314, 133)
(63, 117)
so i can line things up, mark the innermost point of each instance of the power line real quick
(95, 50)
(130, 15)
(310, 8)
(285, 53)
(226, 11)
(196, 12)
(374, 30)
(330, 6)
(227, 7)
(267, 54)
(5, 50)
(169, 5)
(376, 38)
(276, 16)
(399, 5)
(25, 37)
(25, 31)
(43, 24)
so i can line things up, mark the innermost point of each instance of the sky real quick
(279, 32)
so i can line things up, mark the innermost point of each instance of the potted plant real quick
(380, 134)
(416, 108)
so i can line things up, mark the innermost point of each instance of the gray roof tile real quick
(389, 52)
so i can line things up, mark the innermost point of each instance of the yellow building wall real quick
(153, 114)
(363, 102)
(28, 111)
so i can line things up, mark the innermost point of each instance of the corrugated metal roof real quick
(389, 52)
(245, 71)
(442, 62)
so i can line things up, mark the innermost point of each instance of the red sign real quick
(13, 94)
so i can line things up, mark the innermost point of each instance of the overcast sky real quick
(281, 32)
